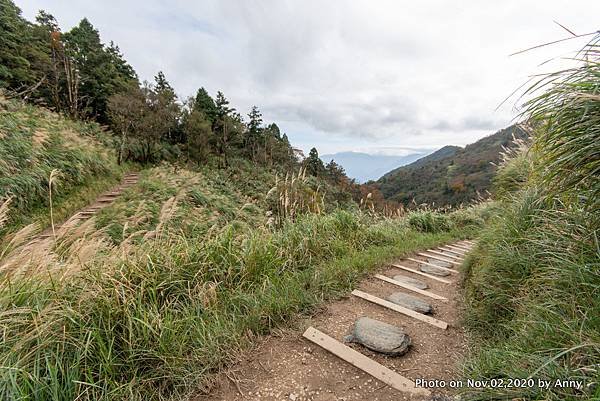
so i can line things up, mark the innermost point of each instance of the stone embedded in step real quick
(441, 263)
(379, 336)
(410, 302)
(433, 270)
(412, 281)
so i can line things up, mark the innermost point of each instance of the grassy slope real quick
(533, 300)
(533, 284)
(174, 289)
(33, 143)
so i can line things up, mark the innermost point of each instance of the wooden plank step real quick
(411, 288)
(432, 265)
(438, 258)
(464, 251)
(446, 255)
(408, 269)
(401, 309)
(458, 252)
(465, 247)
(364, 363)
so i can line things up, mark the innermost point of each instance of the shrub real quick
(428, 221)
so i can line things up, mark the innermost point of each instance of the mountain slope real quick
(450, 176)
(364, 167)
(35, 143)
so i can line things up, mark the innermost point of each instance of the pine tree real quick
(254, 134)
(314, 164)
(224, 127)
(161, 83)
(205, 104)
(96, 77)
(19, 49)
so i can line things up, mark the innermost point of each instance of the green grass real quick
(33, 143)
(155, 318)
(533, 300)
(533, 284)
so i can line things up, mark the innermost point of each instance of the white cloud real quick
(344, 75)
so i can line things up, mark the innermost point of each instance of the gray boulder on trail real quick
(411, 281)
(433, 270)
(410, 302)
(379, 336)
(441, 263)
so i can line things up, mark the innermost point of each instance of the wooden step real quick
(447, 255)
(408, 269)
(364, 363)
(411, 288)
(400, 309)
(432, 265)
(439, 258)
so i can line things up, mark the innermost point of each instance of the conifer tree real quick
(206, 105)
(254, 134)
(314, 164)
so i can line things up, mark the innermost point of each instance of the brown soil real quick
(288, 367)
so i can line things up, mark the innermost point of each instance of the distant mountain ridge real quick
(446, 151)
(451, 175)
(365, 167)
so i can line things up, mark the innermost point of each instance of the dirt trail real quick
(102, 201)
(287, 366)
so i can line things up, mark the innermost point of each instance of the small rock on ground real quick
(433, 270)
(379, 336)
(410, 302)
(412, 281)
(440, 263)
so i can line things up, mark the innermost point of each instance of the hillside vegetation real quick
(167, 284)
(532, 286)
(35, 142)
(452, 175)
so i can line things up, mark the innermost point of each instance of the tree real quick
(335, 172)
(24, 54)
(126, 111)
(224, 126)
(254, 134)
(166, 97)
(314, 164)
(98, 73)
(142, 116)
(14, 66)
(198, 132)
(206, 105)
(161, 83)
(52, 60)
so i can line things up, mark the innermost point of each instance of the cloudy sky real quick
(376, 76)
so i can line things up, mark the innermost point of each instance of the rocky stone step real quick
(440, 263)
(410, 302)
(411, 281)
(379, 336)
(433, 270)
